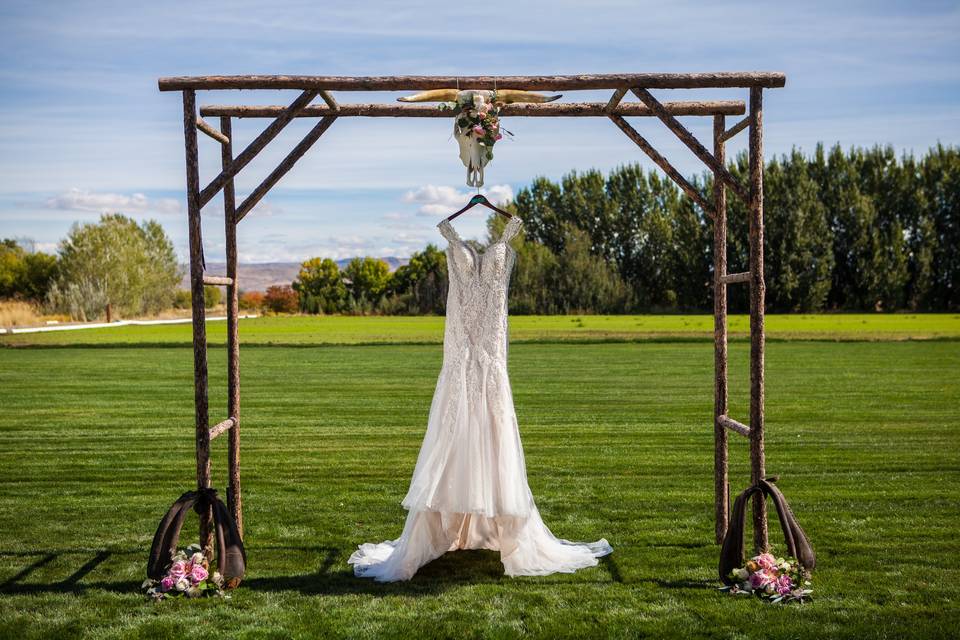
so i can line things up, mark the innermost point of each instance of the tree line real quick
(854, 230)
(845, 230)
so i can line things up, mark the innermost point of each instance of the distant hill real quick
(258, 276)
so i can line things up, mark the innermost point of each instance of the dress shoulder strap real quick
(511, 229)
(448, 232)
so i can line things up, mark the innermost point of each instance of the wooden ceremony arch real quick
(616, 110)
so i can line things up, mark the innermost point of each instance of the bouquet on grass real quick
(187, 576)
(773, 579)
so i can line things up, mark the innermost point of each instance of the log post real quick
(722, 509)
(757, 301)
(201, 416)
(234, 502)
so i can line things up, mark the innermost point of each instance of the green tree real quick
(940, 175)
(531, 285)
(367, 281)
(12, 268)
(420, 286)
(584, 282)
(25, 274)
(539, 205)
(115, 264)
(797, 237)
(211, 296)
(321, 287)
(160, 280)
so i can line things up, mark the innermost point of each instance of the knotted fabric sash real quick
(798, 545)
(231, 557)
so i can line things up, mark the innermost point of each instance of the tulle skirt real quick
(469, 489)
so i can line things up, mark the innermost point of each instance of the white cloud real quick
(442, 200)
(337, 248)
(265, 208)
(85, 200)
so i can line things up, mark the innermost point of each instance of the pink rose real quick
(766, 561)
(499, 135)
(757, 580)
(784, 585)
(167, 583)
(198, 574)
(477, 129)
(178, 569)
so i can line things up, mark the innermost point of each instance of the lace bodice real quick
(476, 327)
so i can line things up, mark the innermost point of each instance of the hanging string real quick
(492, 98)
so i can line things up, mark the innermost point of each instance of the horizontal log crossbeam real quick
(302, 147)
(222, 427)
(733, 425)
(217, 281)
(664, 164)
(692, 143)
(714, 80)
(735, 277)
(248, 154)
(522, 110)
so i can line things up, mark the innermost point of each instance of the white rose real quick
(197, 558)
(182, 584)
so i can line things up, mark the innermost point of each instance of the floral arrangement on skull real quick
(476, 125)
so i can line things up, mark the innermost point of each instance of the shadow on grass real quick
(447, 571)
(450, 570)
(70, 584)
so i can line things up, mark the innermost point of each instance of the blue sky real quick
(83, 128)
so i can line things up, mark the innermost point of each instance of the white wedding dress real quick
(469, 488)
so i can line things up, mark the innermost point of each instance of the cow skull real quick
(473, 153)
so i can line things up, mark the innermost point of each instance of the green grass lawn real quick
(96, 443)
(295, 330)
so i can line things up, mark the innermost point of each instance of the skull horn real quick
(436, 95)
(505, 96)
(517, 95)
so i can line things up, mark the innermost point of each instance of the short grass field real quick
(863, 426)
(300, 330)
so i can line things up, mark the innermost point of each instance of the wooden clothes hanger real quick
(480, 199)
